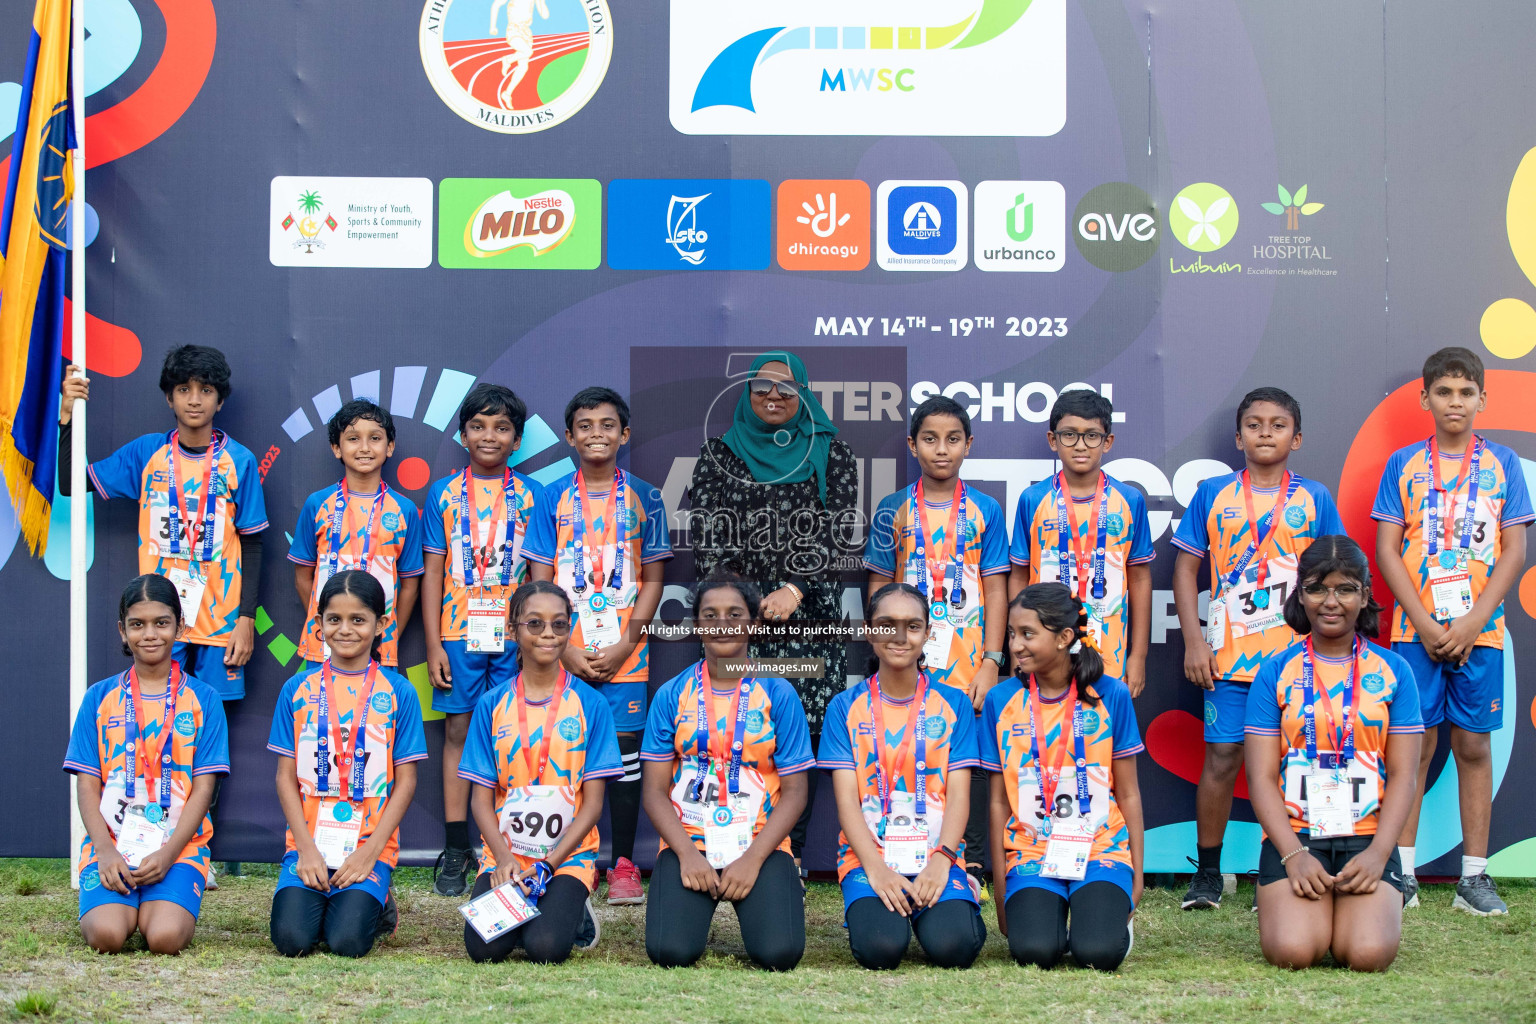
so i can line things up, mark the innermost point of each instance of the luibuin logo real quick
(1293, 207)
(1203, 217)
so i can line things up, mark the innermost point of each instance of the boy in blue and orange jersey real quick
(358, 524)
(1098, 544)
(1254, 525)
(473, 526)
(602, 535)
(1451, 542)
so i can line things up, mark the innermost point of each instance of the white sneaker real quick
(213, 879)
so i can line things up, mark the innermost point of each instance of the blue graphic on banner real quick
(921, 220)
(688, 224)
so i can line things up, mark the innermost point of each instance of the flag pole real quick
(80, 499)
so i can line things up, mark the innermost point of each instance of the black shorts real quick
(1333, 853)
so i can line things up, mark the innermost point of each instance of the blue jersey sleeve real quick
(1405, 711)
(1389, 496)
(83, 755)
(1329, 522)
(655, 535)
(994, 539)
(1517, 497)
(659, 741)
(121, 474)
(477, 763)
(410, 737)
(880, 548)
(1018, 549)
(1262, 716)
(432, 537)
(1142, 551)
(1125, 733)
(836, 749)
(410, 562)
(539, 539)
(281, 740)
(986, 729)
(1193, 534)
(250, 503)
(603, 760)
(212, 755)
(963, 752)
(306, 543)
(791, 736)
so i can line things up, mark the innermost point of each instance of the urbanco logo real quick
(1115, 227)
(1021, 225)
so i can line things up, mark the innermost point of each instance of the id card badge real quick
(534, 817)
(599, 620)
(338, 830)
(1067, 849)
(487, 625)
(1216, 625)
(190, 584)
(905, 839)
(142, 832)
(1328, 803)
(728, 831)
(1450, 584)
(499, 911)
(941, 634)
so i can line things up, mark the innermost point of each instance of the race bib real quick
(1100, 610)
(190, 584)
(1064, 809)
(1252, 609)
(338, 831)
(533, 818)
(190, 535)
(1331, 800)
(499, 911)
(491, 552)
(487, 632)
(1450, 584)
(696, 815)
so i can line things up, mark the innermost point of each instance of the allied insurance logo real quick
(520, 223)
(922, 225)
(516, 66)
(868, 67)
(1115, 227)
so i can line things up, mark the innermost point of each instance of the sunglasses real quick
(761, 388)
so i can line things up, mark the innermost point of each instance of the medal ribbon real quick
(730, 778)
(537, 767)
(1268, 522)
(1050, 777)
(1433, 513)
(338, 518)
(917, 720)
(1343, 737)
(175, 513)
(328, 731)
(1066, 533)
(474, 565)
(611, 519)
(139, 753)
(955, 531)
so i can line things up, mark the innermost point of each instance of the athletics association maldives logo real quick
(868, 67)
(516, 66)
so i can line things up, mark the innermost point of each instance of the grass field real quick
(1185, 967)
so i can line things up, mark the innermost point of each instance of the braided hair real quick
(1060, 610)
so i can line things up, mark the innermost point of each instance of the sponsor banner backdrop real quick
(995, 200)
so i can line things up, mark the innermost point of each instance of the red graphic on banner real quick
(477, 65)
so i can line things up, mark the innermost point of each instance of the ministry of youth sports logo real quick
(516, 66)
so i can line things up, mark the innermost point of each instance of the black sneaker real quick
(451, 873)
(1204, 890)
(389, 920)
(589, 931)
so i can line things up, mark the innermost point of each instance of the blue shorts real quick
(206, 662)
(376, 884)
(474, 674)
(856, 886)
(627, 702)
(1469, 696)
(182, 885)
(1027, 876)
(1225, 708)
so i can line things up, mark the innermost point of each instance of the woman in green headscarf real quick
(765, 498)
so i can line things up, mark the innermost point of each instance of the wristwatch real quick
(995, 657)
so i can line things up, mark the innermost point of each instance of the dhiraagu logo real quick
(868, 67)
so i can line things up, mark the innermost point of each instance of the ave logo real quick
(1115, 227)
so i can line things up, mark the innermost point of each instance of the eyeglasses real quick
(1091, 438)
(1344, 591)
(559, 627)
(760, 387)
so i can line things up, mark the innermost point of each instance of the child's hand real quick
(1200, 665)
(355, 868)
(242, 641)
(114, 871)
(1455, 644)
(579, 663)
(437, 667)
(311, 869)
(1136, 674)
(74, 387)
(605, 663)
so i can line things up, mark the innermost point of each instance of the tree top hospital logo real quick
(856, 67)
(516, 66)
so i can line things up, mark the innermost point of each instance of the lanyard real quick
(537, 767)
(1344, 737)
(473, 559)
(614, 501)
(1051, 777)
(1066, 532)
(917, 725)
(136, 748)
(1269, 522)
(175, 513)
(704, 732)
(326, 727)
(339, 515)
(955, 530)
(1433, 513)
